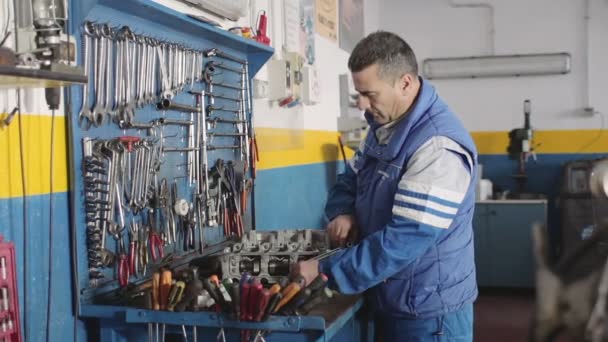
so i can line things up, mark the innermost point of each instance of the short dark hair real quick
(393, 55)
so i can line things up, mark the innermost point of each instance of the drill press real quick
(520, 149)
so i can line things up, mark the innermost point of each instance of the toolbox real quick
(162, 171)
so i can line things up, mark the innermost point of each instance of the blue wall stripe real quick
(11, 227)
(294, 197)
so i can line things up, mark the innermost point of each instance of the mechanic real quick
(408, 194)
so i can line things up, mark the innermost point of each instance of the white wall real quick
(434, 29)
(32, 99)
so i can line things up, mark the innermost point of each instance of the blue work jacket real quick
(412, 269)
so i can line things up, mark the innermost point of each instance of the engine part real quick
(269, 255)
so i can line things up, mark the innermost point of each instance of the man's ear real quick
(405, 82)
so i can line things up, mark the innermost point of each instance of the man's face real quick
(378, 97)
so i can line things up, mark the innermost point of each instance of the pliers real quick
(133, 247)
(155, 241)
(123, 266)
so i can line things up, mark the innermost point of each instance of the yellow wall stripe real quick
(278, 148)
(37, 156)
(289, 147)
(550, 141)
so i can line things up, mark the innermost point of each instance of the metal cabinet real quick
(503, 241)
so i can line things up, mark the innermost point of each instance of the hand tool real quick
(235, 292)
(288, 293)
(156, 290)
(296, 301)
(319, 282)
(327, 254)
(164, 289)
(245, 291)
(143, 249)
(175, 295)
(156, 243)
(316, 299)
(255, 292)
(225, 295)
(123, 265)
(264, 300)
(85, 116)
(193, 289)
(214, 293)
(99, 65)
(272, 305)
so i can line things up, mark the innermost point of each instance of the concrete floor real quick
(505, 316)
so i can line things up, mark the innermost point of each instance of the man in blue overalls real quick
(409, 193)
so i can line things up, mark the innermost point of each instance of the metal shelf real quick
(16, 77)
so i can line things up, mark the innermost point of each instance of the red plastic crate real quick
(10, 329)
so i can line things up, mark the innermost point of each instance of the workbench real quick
(340, 320)
(503, 241)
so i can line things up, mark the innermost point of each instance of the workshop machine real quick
(520, 149)
(572, 291)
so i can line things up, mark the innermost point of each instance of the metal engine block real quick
(269, 255)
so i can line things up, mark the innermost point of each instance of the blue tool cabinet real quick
(503, 241)
(118, 323)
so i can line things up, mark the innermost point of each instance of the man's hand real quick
(308, 269)
(342, 229)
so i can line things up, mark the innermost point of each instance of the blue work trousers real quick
(453, 327)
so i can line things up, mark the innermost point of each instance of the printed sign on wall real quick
(327, 19)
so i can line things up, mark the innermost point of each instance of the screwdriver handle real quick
(319, 282)
(165, 288)
(255, 293)
(288, 293)
(235, 291)
(274, 301)
(245, 300)
(274, 289)
(155, 290)
(264, 299)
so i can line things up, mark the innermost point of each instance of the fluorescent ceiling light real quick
(497, 66)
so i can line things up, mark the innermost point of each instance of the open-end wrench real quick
(141, 57)
(99, 67)
(127, 101)
(85, 117)
(108, 35)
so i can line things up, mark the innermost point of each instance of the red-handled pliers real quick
(154, 239)
(123, 266)
(133, 248)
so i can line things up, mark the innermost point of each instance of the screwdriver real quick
(235, 291)
(316, 299)
(264, 300)
(155, 290)
(319, 282)
(225, 295)
(274, 301)
(288, 293)
(213, 292)
(296, 301)
(274, 289)
(165, 288)
(245, 287)
(176, 294)
(204, 300)
(255, 292)
(193, 289)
